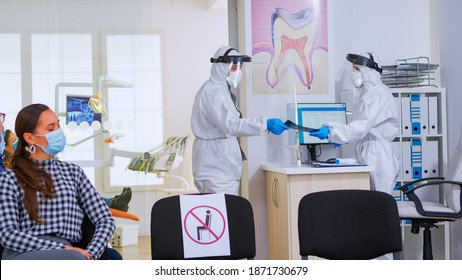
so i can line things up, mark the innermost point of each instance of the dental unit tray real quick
(293, 125)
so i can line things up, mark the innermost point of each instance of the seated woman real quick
(44, 200)
(11, 141)
(119, 202)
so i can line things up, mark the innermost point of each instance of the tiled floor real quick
(140, 251)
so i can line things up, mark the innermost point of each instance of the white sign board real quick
(205, 225)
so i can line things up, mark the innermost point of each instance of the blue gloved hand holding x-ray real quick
(336, 145)
(322, 133)
(276, 126)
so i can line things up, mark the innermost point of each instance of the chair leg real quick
(427, 247)
(427, 236)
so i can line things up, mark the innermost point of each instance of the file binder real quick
(418, 114)
(432, 115)
(396, 193)
(416, 158)
(406, 160)
(406, 116)
(430, 158)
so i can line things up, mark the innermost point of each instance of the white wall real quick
(191, 32)
(392, 29)
(451, 61)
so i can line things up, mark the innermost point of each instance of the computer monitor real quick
(314, 115)
(78, 110)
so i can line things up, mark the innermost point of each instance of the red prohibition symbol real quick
(202, 224)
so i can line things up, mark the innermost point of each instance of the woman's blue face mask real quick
(56, 142)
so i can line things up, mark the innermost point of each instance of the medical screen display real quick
(79, 111)
(314, 115)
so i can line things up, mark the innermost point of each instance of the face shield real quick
(364, 61)
(235, 63)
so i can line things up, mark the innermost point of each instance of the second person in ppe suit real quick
(216, 123)
(375, 123)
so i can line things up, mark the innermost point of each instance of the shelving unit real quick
(423, 148)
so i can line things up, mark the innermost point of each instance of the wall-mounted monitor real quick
(314, 115)
(78, 110)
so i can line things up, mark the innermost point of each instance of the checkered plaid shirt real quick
(63, 215)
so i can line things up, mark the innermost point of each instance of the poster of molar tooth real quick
(289, 46)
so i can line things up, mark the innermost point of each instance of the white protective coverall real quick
(374, 126)
(216, 124)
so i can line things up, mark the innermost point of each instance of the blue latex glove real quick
(335, 144)
(276, 126)
(322, 133)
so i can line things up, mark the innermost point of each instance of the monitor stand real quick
(312, 152)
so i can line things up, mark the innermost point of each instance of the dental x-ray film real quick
(293, 125)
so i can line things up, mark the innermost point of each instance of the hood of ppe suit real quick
(214, 114)
(219, 71)
(371, 76)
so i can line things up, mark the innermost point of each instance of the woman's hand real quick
(82, 251)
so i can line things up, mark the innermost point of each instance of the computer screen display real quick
(314, 115)
(79, 111)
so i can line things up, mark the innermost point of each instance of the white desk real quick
(285, 187)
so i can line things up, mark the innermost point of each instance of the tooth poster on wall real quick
(289, 46)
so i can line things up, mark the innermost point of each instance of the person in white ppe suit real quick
(374, 126)
(216, 123)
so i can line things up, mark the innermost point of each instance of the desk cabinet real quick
(284, 192)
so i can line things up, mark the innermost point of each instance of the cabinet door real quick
(276, 194)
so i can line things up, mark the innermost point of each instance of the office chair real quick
(348, 225)
(167, 236)
(425, 214)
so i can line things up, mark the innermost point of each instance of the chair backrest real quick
(348, 224)
(167, 236)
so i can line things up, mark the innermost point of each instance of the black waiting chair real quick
(167, 234)
(348, 225)
(88, 230)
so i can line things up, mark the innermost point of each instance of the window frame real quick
(105, 171)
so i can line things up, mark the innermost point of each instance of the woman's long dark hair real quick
(31, 177)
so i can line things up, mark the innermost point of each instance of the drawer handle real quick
(274, 192)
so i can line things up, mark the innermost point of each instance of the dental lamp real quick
(98, 104)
